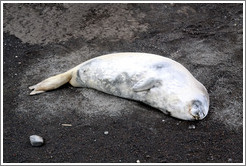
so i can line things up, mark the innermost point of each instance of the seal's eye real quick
(197, 110)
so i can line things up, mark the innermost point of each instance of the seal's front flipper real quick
(145, 84)
(51, 83)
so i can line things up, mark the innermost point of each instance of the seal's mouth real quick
(198, 117)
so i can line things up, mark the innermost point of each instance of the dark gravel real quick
(41, 40)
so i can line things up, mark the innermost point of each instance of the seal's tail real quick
(51, 83)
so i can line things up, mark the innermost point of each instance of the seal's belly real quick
(110, 78)
(118, 74)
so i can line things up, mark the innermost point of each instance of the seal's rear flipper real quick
(51, 83)
(34, 92)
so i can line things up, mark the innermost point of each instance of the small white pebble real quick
(229, 160)
(16, 56)
(192, 127)
(36, 140)
(138, 161)
(19, 63)
(163, 120)
(106, 132)
(15, 74)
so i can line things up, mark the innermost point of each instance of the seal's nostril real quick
(200, 113)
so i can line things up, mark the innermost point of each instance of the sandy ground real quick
(41, 40)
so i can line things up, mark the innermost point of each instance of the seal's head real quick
(194, 102)
(195, 109)
(192, 106)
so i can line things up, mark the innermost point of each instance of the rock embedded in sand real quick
(36, 140)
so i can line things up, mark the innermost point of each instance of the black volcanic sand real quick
(41, 40)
